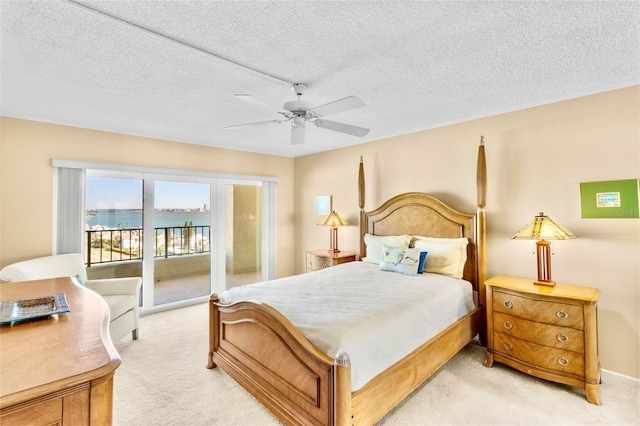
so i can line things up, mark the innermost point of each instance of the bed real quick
(262, 349)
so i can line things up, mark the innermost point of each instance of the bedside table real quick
(321, 259)
(547, 332)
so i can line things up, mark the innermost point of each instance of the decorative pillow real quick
(374, 245)
(395, 259)
(447, 256)
(423, 259)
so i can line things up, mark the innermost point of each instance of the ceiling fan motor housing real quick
(297, 106)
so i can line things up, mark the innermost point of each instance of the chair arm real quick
(115, 286)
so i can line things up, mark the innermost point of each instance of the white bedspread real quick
(376, 317)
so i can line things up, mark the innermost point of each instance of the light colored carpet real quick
(163, 380)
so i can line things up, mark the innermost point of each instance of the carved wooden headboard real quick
(416, 213)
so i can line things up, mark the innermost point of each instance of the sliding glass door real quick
(243, 234)
(187, 235)
(181, 233)
(113, 237)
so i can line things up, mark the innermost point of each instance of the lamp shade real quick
(542, 227)
(334, 220)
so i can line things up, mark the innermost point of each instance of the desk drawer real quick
(43, 413)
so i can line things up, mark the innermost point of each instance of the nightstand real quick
(321, 259)
(547, 332)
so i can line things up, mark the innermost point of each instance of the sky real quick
(112, 193)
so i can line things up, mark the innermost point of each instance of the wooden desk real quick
(58, 370)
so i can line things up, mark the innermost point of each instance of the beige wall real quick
(26, 188)
(536, 159)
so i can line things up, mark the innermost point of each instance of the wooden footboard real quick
(370, 403)
(262, 351)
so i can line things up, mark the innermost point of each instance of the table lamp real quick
(333, 220)
(542, 228)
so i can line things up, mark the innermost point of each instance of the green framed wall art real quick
(614, 199)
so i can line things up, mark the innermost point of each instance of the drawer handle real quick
(325, 266)
(562, 338)
(508, 346)
(563, 361)
(508, 304)
(562, 315)
(508, 325)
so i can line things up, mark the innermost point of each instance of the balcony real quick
(117, 245)
(181, 260)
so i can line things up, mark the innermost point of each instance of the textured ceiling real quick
(151, 68)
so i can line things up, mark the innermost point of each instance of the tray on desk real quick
(29, 309)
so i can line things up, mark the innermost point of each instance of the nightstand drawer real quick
(542, 334)
(322, 259)
(315, 263)
(540, 356)
(543, 311)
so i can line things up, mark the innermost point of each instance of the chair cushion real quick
(119, 305)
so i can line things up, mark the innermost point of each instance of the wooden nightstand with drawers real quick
(321, 259)
(547, 332)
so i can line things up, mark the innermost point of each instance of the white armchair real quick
(121, 294)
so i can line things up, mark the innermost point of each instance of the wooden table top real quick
(42, 356)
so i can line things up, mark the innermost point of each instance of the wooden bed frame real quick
(268, 356)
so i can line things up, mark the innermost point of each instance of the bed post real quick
(214, 319)
(363, 225)
(342, 390)
(481, 180)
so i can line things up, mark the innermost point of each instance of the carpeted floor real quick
(163, 380)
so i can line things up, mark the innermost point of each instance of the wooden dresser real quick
(320, 259)
(58, 370)
(548, 332)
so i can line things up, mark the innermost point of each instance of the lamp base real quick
(545, 283)
(333, 251)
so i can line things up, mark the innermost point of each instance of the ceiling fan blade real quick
(340, 105)
(256, 101)
(341, 127)
(259, 123)
(297, 134)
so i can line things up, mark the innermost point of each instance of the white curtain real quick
(269, 229)
(69, 210)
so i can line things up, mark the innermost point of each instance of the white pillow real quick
(404, 261)
(374, 245)
(447, 256)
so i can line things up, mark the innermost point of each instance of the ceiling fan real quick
(299, 113)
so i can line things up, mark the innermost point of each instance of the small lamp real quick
(542, 228)
(333, 220)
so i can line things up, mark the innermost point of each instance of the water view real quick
(125, 219)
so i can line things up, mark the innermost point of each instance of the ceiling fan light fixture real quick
(298, 121)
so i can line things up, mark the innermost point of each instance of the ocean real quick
(123, 219)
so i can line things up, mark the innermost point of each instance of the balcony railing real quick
(117, 245)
